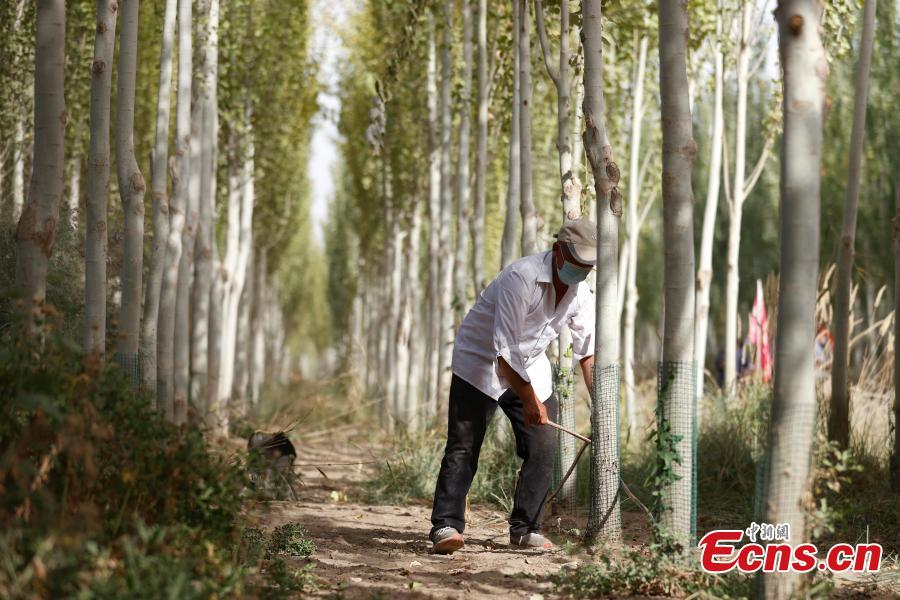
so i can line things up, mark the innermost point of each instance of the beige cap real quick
(581, 237)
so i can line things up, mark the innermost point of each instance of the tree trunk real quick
(229, 271)
(433, 333)
(216, 419)
(176, 407)
(895, 456)
(241, 259)
(461, 260)
(18, 179)
(477, 221)
(36, 230)
(75, 184)
(704, 270)
(401, 324)
(570, 200)
(445, 338)
(394, 309)
(839, 418)
(605, 517)
(97, 200)
(675, 409)
(241, 383)
(131, 191)
(633, 233)
(258, 326)
(203, 261)
(736, 207)
(514, 187)
(791, 431)
(526, 206)
(413, 415)
(158, 178)
(185, 404)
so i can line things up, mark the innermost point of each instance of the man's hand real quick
(532, 408)
(535, 412)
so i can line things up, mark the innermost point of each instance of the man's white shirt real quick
(515, 318)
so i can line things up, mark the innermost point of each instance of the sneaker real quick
(530, 540)
(447, 540)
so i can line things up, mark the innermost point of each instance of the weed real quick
(289, 539)
(647, 571)
(284, 579)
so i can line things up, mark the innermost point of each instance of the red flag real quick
(759, 334)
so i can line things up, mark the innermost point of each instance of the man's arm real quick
(587, 369)
(533, 409)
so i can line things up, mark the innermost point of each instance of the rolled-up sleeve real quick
(581, 324)
(509, 317)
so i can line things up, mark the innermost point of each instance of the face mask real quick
(571, 274)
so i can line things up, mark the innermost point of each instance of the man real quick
(499, 358)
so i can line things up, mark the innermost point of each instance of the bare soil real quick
(375, 551)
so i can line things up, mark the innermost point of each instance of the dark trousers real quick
(470, 414)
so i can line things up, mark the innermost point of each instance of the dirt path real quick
(366, 551)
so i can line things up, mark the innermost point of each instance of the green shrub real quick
(99, 496)
(647, 571)
(289, 539)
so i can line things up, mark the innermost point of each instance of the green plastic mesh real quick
(604, 517)
(564, 390)
(130, 363)
(676, 414)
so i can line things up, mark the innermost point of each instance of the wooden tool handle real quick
(569, 431)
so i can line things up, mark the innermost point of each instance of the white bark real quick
(741, 188)
(97, 200)
(18, 178)
(445, 338)
(736, 206)
(839, 417)
(804, 68)
(633, 234)
(238, 276)
(433, 333)
(175, 407)
(413, 413)
(526, 206)
(75, 185)
(513, 194)
(216, 419)
(678, 155)
(131, 188)
(477, 220)
(461, 262)
(400, 322)
(895, 454)
(36, 229)
(203, 256)
(187, 408)
(605, 519)
(570, 201)
(704, 269)
(258, 326)
(158, 180)
(240, 401)
(394, 309)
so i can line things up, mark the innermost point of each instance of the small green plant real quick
(647, 571)
(253, 541)
(289, 539)
(283, 579)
